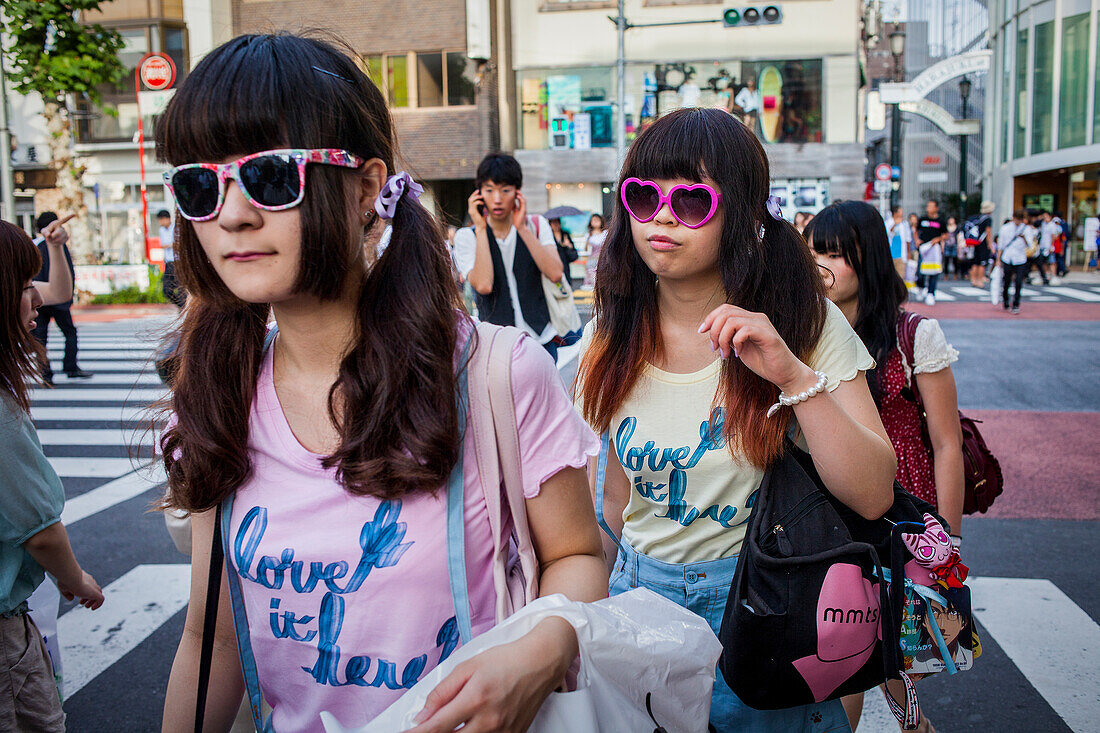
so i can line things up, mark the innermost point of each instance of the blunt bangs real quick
(247, 96)
(830, 232)
(676, 146)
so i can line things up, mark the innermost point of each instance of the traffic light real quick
(752, 15)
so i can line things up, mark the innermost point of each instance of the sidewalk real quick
(110, 313)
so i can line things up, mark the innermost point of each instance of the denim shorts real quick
(702, 587)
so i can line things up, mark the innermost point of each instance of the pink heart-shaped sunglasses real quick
(693, 205)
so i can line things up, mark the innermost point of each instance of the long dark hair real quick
(19, 352)
(854, 230)
(393, 402)
(774, 275)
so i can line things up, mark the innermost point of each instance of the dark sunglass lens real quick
(196, 191)
(272, 180)
(642, 200)
(691, 205)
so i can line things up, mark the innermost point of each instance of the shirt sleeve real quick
(31, 494)
(839, 352)
(546, 234)
(465, 250)
(552, 435)
(931, 352)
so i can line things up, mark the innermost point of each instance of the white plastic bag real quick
(996, 284)
(633, 646)
(44, 604)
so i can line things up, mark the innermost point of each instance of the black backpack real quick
(809, 617)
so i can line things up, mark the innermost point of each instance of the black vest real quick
(496, 307)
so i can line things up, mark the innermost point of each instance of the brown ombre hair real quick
(393, 402)
(775, 275)
(19, 351)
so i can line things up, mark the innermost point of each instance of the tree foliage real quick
(54, 54)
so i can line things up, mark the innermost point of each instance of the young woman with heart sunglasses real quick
(698, 260)
(336, 445)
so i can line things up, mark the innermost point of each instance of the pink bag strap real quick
(496, 438)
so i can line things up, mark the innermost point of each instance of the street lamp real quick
(897, 49)
(964, 92)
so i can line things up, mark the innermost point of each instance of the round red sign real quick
(157, 71)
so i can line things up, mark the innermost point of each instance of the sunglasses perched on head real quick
(691, 204)
(272, 180)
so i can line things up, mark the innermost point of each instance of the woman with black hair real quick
(911, 352)
(712, 336)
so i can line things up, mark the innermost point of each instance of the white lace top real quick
(931, 351)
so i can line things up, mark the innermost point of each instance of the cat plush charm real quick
(934, 556)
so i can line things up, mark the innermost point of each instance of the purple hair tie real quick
(396, 186)
(772, 205)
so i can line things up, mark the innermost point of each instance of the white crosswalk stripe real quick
(96, 394)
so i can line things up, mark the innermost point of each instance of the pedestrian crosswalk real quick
(95, 434)
(960, 291)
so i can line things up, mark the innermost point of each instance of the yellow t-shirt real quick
(690, 499)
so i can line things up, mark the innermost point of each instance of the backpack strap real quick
(907, 340)
(496, 439)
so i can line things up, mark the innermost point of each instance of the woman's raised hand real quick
(752, 338)
(55, 232)
(502, 689)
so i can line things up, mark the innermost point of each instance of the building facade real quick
(107, 144)
(1042, 143)
(931, 158)
(443, 103)
(805, 70)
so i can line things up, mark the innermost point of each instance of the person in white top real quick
(901, 238)
(1048, 230)
(1012, 244)
(593, 243)
(506, 252)
(170, 285)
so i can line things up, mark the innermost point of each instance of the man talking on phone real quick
(506, 252)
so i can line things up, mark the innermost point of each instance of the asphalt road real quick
(1033, 676)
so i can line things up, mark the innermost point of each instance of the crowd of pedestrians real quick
(318, 435)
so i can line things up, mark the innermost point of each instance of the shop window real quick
(1096, 96)
(1042, 113)
(1019, 149)
(442, 78)
(1006, 97)
(566, 109)
(809, 195)
(460, 79)
(429, 80)
(1072, 107)
(397, 81)
(785, 100)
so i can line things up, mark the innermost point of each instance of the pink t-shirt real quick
(348, 598)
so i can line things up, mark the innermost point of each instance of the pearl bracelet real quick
(792, 400)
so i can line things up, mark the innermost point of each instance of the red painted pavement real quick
(1050, 460)
(1028, 311)
(108, 313)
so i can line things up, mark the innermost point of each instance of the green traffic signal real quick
(752, 15)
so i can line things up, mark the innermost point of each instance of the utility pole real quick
(620, 82)
(897, 49)
(7, 182)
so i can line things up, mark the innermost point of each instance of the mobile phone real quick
(480, 207)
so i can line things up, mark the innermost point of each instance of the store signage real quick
(105, 279)
(932, 177)
(157, 71)
(932, 77)
(932, 160)
(942, 118)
